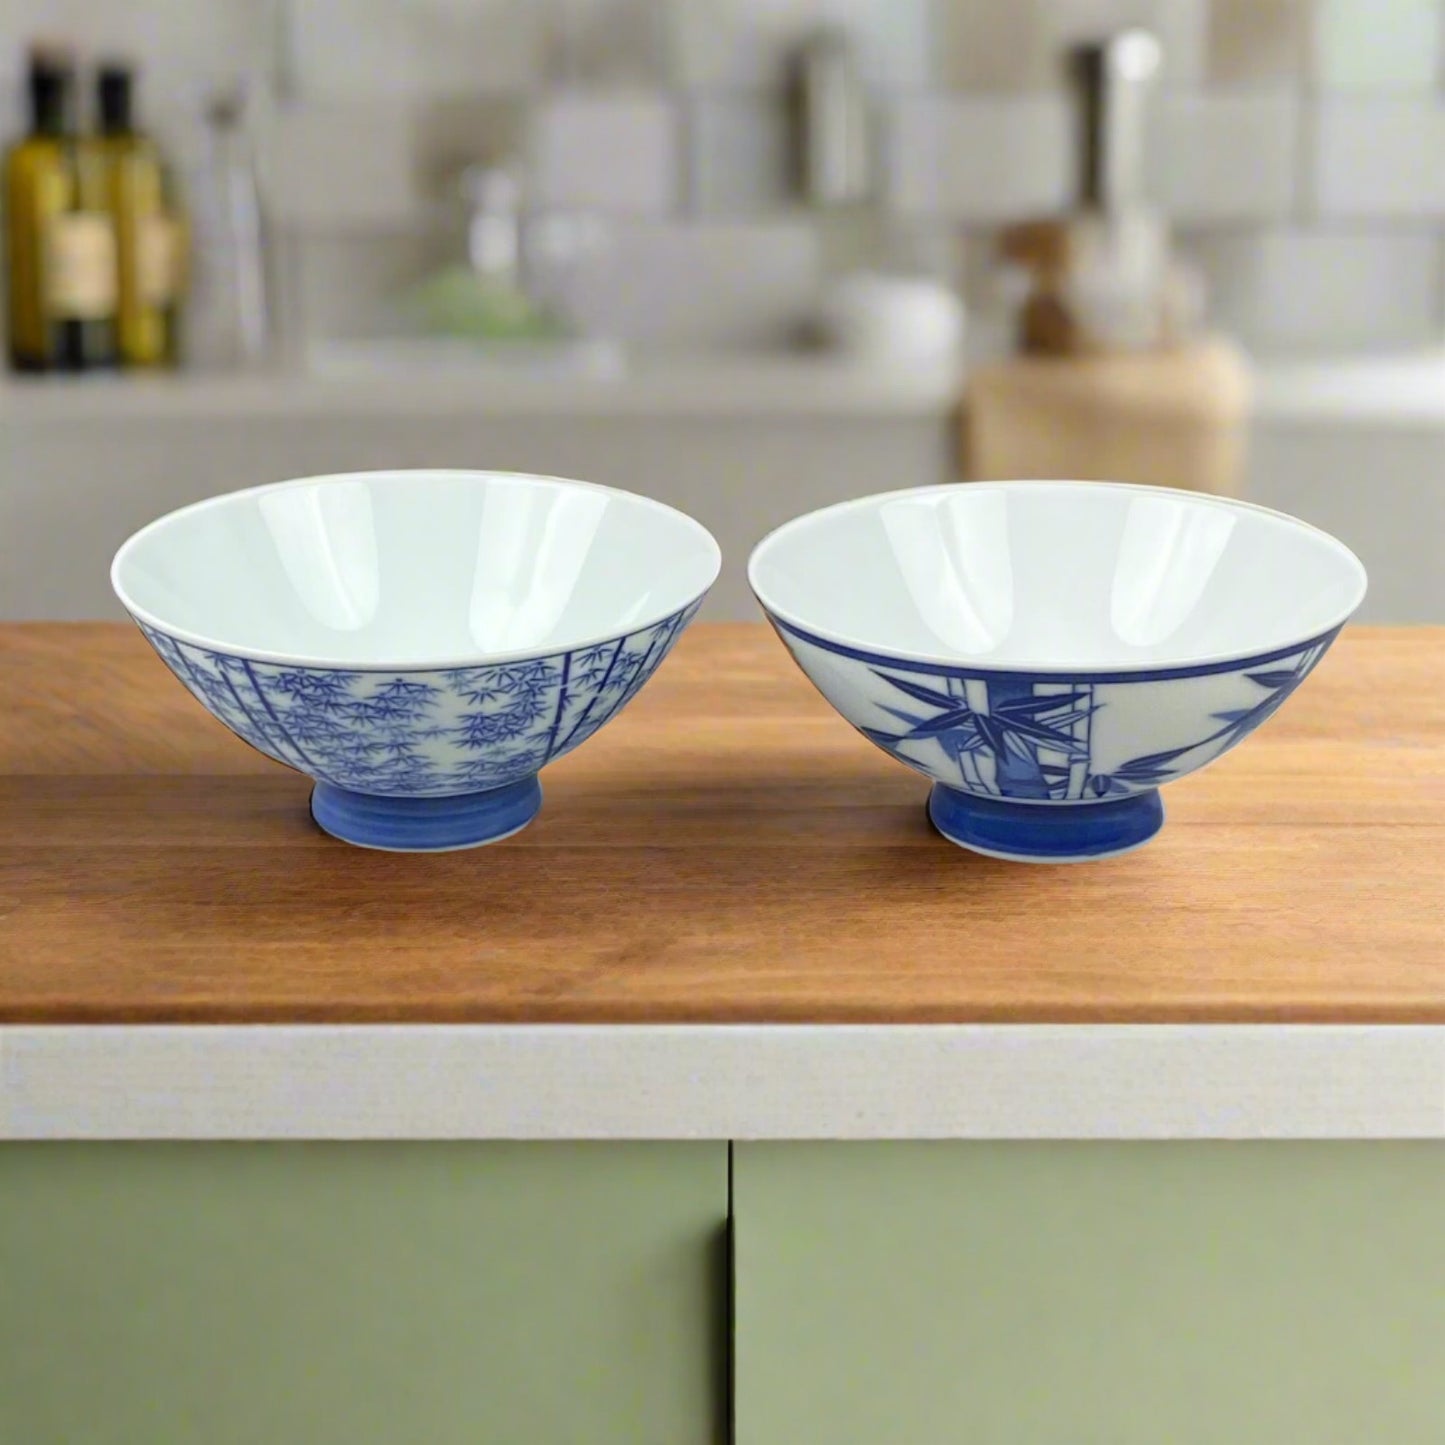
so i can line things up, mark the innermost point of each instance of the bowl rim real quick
(149, 619)
(1190, 664)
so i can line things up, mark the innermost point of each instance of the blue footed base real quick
(1045, 832)
(425, 825)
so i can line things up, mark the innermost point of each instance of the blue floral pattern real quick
(1028, 738)
(423, 733)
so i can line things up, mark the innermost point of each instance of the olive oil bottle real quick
(150, 244)
(60, 252)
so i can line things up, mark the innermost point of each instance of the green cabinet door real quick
(1090, 1294)
(363, 1294)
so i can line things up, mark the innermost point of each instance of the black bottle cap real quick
(51, 85)
(115, 91)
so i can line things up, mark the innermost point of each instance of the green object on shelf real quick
(459, 302)
(362, 1294)
(1090, 1294)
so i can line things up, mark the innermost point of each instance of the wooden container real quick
(1173, 418)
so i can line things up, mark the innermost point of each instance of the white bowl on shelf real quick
(419, 643)
(1050, 653)
(872, 316)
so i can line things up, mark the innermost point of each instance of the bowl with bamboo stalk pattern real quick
(1050, 654)
(419, 643)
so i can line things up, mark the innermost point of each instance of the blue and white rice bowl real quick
(420, 643)
(1050, 653)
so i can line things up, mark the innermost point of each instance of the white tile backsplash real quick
(1300, 135)
(1376, 45)
(1258, 42)
(982, 158)
(449, 135)
(612, 153)
(990, 45)
(355, 47)
(737, 44)
(894, 39)
(344, 165)
(179, 44)
(740, 158)
(1380, 159)
(1289, 291)
(356, 286)
(747, 44)
(607, 42)
(466, 47)
(728, 284)
(414, 47)
(1225, 157)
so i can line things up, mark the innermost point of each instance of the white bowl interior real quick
(1057, 575)
(405, 568)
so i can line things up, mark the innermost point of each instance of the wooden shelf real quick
(728, 851)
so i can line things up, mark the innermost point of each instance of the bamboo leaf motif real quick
(1011, 731)
(1037, 740)
(919, 692)
(1046, 702)
(992, 733)
(457, 730)
(954, 719)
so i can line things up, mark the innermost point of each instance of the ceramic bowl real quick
(423, 643)
(1050, 653)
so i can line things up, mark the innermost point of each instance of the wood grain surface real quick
(728, 850)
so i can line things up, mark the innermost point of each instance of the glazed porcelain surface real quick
(1049, 653)
(420, 643)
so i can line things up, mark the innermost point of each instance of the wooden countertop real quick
(728, 851)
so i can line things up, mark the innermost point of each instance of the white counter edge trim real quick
(722, 1082)
(1401, 390)
(689, 386)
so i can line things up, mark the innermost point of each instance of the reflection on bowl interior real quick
(1056, 574)
(412, 567)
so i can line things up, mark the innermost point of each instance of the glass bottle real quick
(60, 251)
(150, 247)
(228, 318)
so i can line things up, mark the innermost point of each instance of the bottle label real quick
(158, 255)
(80, 266)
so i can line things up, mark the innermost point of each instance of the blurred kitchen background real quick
(753, 256)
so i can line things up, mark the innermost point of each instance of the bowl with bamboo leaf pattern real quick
(419, 643)
(1050, 654)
